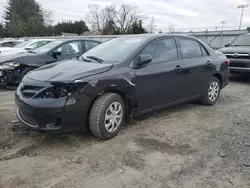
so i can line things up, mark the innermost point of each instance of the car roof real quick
(74, 39)
(154, 36)
(35, 40)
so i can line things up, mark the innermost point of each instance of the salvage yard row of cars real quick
(17, 61)
(69, 85)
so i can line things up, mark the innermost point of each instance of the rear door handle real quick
(178, 68)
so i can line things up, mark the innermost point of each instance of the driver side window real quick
(70, 48)
(161, 50)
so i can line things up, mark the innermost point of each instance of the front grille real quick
(30, 91)
(27, 119)
(242, 65)
(238, 55)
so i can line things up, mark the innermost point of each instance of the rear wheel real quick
(212, 92)
(107, 116)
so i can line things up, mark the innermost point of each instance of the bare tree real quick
(100, 18)
(171, 28)
(121, 18)
(48, 16)
(94, 17)
(126, 16)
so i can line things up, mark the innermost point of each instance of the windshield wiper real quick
(95, 58)
(241, 45)
(85, 59)
(30, 51)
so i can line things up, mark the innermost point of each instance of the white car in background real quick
(10, 42)
(24, 46)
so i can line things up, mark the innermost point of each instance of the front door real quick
(160, 82)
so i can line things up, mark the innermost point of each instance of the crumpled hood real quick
(67, 71)
(236, 49)
(19, 57)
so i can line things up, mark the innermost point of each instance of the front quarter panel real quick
(120, 80)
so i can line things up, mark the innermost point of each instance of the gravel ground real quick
(186, 146)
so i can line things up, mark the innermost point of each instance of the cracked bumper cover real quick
(54, 115)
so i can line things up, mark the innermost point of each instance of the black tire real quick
(97, 115)
(206, 99)
(24, 72)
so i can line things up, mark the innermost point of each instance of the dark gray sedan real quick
(14, 67)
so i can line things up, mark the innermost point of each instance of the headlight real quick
(11, 64)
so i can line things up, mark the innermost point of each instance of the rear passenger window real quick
(162, 50)
(204, 51)
(190, 48)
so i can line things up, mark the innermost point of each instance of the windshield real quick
(23, 44)
(47, 47)
(38, 44)
(115, 50)
(243, 40)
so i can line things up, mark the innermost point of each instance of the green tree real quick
(2, 31)
(77, 27)
(24, 18)
(137, 28)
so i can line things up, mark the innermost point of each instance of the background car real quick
(10, 43)
(24, 46)
(14, 67)
(121, 78)
(238, 52)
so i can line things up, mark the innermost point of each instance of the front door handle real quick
(209, 64)
(178, 68)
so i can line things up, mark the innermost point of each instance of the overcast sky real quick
(180, 13)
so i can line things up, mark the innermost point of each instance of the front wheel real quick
(107, 116)
(212, 92)
(24, 72)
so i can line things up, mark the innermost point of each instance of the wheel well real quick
(217, 75)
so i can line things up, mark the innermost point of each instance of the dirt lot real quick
(187, 146)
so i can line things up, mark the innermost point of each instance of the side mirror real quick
(28, 48)
(226, 45)
(55, 54)
(144, 60)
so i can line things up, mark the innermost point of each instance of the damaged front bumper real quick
(47, 114)
(9, 76)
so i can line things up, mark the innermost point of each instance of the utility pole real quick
(152, 25)
(242, 10)
(222, 27)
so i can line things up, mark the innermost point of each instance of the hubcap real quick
(113, 117)
(213, 91)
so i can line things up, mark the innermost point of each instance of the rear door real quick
(160, 82)
(199, 67)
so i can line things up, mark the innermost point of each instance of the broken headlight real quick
(11, 64)
(65, 90)
(62, 90)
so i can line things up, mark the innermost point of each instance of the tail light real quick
(228, 62)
